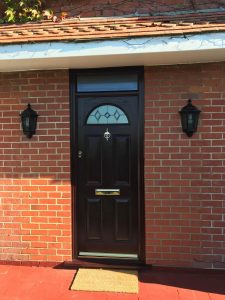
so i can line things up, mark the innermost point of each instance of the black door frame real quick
(74, 151)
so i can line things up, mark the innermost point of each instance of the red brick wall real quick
(185, 177)
(35, 200)
(117, 7)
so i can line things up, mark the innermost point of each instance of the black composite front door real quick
(107, 180)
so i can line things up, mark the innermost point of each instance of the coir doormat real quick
(99, 280)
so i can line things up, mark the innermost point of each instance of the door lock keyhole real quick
(80, 153)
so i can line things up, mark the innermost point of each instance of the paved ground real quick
(37, 283)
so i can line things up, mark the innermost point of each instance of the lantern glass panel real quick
(27, 122)
(190, 122)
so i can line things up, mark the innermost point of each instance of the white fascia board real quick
(147, 51)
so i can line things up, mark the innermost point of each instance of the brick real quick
(29, 189)
(184, 178)
(189, 172)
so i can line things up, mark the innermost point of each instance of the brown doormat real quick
(99, 280)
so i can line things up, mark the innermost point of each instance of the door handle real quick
(107, 192)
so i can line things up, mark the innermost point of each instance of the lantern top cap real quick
(29, 111)
(190, 107)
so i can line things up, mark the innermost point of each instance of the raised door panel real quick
(122, 219)
(94, 219)
(93, 154)
(121, 159)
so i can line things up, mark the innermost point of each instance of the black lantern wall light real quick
(29, 121)
(189, 115)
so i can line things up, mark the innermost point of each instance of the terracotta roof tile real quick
(105, 28)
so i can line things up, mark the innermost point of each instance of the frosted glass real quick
(107, 82)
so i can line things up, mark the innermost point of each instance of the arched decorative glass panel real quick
(107, 114)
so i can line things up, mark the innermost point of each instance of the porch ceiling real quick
(130, 51)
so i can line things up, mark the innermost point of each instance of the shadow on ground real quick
(205, 280)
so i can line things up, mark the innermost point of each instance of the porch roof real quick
(113, 42)
(76, 29)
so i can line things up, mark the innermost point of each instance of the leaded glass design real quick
(107, 114)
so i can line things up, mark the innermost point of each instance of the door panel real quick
(109, 160)
(121, 159)
(94, 219)
(93, 159)
(122, 219)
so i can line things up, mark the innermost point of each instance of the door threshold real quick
(108, 255)
(103, 263)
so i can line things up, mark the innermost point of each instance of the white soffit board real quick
(147, 51)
